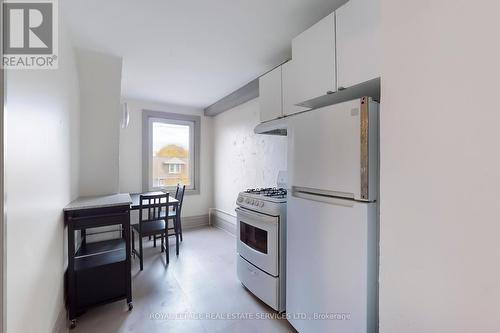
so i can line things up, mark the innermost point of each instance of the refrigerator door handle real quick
(332, 200)
(315, 191)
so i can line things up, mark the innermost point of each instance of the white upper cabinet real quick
(340, 51)
(313, 54)
(270, 95)
(358, 42)
(290, 89)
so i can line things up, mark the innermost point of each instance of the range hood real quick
(273, 127)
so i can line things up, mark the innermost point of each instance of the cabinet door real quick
(358, 42)
(290, 89)
(270, 95)
(313, 53)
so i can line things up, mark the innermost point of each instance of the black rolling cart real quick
(98, 272)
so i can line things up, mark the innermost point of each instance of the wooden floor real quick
(199, 288)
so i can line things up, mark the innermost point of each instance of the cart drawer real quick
(100, 284)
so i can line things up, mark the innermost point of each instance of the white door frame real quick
(2, 201)
(2, 188)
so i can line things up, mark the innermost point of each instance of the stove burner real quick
(279, 193)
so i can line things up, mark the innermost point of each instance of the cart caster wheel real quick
(72, 323)
(130, 306)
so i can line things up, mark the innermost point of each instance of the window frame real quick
(187, 123)
(148, 117)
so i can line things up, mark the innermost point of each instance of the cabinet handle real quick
(329, 92)
(342, 88)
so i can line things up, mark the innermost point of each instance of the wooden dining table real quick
(172, 202)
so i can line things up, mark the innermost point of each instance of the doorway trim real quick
(3, 325)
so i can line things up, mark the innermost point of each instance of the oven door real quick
(258, 239)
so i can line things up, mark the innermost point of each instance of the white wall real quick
(131, 155)
(440, 162)
(42, 151)
(100, 86)
(243, 159)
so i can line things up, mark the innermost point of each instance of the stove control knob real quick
(261, 204)
(240, 199)
(247, 200)
(256, 203)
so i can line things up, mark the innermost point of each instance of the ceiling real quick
(192, 52)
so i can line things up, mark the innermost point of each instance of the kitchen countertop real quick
(102, 201)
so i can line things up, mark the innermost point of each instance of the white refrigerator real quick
(332, 219)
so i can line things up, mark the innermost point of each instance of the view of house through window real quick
(171, 153)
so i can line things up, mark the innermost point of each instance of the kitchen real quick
(308, 175)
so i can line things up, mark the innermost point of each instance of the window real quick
(174, 168)
(171, 155)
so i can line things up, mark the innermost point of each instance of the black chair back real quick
(179, 195)
(152, 207)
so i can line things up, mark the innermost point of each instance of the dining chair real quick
(152, 222)
(172, 215)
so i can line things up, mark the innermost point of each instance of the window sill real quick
(172, 190)
(193, 191)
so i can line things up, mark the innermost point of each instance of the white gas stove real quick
(261, 236)
(264, 200)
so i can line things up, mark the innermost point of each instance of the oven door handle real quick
(257, 216)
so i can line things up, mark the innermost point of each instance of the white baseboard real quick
(223, 220)
(61, 324)
(190, 222)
